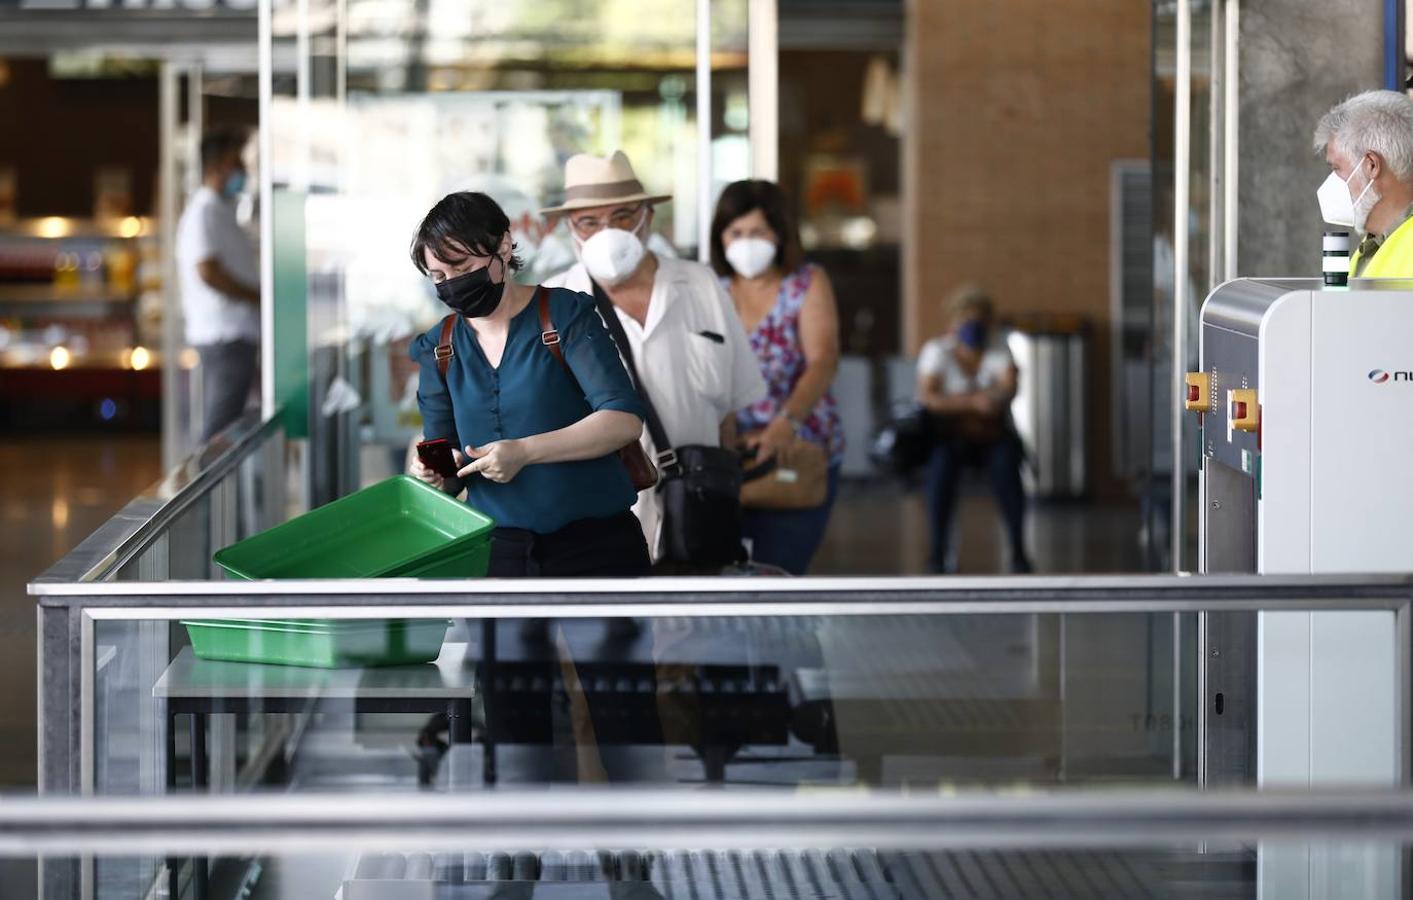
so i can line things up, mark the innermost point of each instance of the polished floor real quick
(54, 492)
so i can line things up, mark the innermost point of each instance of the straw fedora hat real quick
(591, 181)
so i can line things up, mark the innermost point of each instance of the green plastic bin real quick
(398, 528)
(319, 643)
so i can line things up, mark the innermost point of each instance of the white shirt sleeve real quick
(196, 235)
(997, 361)
(747, 383)
(933, 358)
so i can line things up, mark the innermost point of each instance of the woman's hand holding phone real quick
(419, 468)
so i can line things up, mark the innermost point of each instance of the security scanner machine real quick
(1305, 404)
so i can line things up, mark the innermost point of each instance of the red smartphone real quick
(436, 455)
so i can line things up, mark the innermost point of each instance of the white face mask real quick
(611, 255)
(1337, 207)
(750, 256)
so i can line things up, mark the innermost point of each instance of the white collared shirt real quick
(693, 356)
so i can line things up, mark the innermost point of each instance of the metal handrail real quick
(601, 818)
(144, 518)
(803, 596)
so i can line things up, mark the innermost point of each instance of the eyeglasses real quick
(626, 219)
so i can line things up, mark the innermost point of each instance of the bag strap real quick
(444, 351)
(549, 335)
(666, 456)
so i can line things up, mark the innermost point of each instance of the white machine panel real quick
(1361, 415)
(1328, 471)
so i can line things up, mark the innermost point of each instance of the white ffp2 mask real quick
(611, 255)
(750, 256)
(1337, 207)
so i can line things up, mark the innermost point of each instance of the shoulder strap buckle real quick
(443, 351)
(550, 338)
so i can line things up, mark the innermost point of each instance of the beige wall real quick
(1016, 110)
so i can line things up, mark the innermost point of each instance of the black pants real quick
(588, 548)
(1001, 460)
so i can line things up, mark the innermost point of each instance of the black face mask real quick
(473, 295)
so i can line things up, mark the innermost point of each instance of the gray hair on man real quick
(1374, 121)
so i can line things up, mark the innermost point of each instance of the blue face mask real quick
(972, 333)
(235, 183)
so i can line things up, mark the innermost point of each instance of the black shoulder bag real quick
(700, 490)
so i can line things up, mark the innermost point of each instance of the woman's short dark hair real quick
(741, 198)
(462, 225)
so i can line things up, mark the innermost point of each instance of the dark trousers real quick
(1001, 460)
(588, 548)
(788, 538)
(227, 372)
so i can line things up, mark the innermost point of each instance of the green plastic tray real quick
(318, 643)
(396, 528)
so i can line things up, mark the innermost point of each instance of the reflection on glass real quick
(892, 701)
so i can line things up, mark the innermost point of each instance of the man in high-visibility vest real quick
(1368, 142)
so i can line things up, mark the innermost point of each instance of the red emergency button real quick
(1244, 410)
(1198, 385)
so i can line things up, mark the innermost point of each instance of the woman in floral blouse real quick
(787, 307)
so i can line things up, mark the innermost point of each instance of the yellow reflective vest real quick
(1393, 259)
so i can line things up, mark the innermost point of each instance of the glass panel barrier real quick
(1002, 688)
(897, 701)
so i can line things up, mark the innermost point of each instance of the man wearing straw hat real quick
(688, 346)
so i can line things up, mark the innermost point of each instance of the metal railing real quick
(244, 458)
(578, 817)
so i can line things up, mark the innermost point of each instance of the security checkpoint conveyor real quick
(1306, 412)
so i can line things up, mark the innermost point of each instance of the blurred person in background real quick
(219, 274)
(684, 337)
(787, 308)
(967, 379)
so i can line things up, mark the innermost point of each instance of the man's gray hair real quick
(1374, 121)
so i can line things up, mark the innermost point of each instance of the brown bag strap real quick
(444, 351)
(549, 335)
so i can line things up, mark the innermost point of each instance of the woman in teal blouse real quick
(540, 445)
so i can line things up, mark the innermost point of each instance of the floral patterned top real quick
(776, 342)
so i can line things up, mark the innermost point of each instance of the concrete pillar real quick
(1296, 59)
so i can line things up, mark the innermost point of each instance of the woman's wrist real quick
(531, 448)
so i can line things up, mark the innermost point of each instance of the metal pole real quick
(1231, 114)
(1182, 128)
(704, 174)
(1394, 77)
(763, 79)
(267, 224)
(168, 91)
